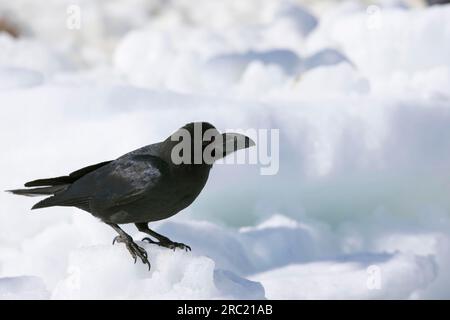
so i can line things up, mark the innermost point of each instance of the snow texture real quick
(359, 208)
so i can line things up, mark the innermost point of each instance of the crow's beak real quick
(233, 142)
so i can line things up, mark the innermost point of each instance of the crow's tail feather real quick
(47, 202)
(55, 186)
(58, 181)
(64, 180)
(45, 191)
(36, 192)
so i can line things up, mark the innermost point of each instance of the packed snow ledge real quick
(275, 270)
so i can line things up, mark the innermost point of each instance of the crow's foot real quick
(135, 250)
(169, 244)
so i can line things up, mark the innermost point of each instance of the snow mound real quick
(399, 50)
(235, 64)
(367, 276)
(332, 81)
(300, 18)
(186, 57)
(283, 258)
(30, 288)
(252, 249)
(107, 272)
(31, 54)
(11, 78)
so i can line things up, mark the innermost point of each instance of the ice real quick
(361, 98)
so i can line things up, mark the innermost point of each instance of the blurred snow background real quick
(360, 91)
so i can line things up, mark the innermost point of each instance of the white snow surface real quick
(359, 208)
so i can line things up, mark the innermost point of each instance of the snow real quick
(11, 78)
(176, 275)
(393, 56)
(31, 54)
(359, 208)
(22, 288)
(401, 276)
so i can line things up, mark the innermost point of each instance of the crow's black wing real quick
(71, 178)
(118, 183)
(129, 179)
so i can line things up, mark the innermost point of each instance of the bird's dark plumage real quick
(142, 186)
(74, 176)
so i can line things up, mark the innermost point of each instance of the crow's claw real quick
(177, 245)
(135, 250)
(169, 244)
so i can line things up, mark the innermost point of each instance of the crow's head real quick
(200, 143)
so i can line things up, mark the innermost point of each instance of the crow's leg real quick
(132, 247)
(162, 241)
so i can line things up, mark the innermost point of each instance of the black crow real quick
(149, 184)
